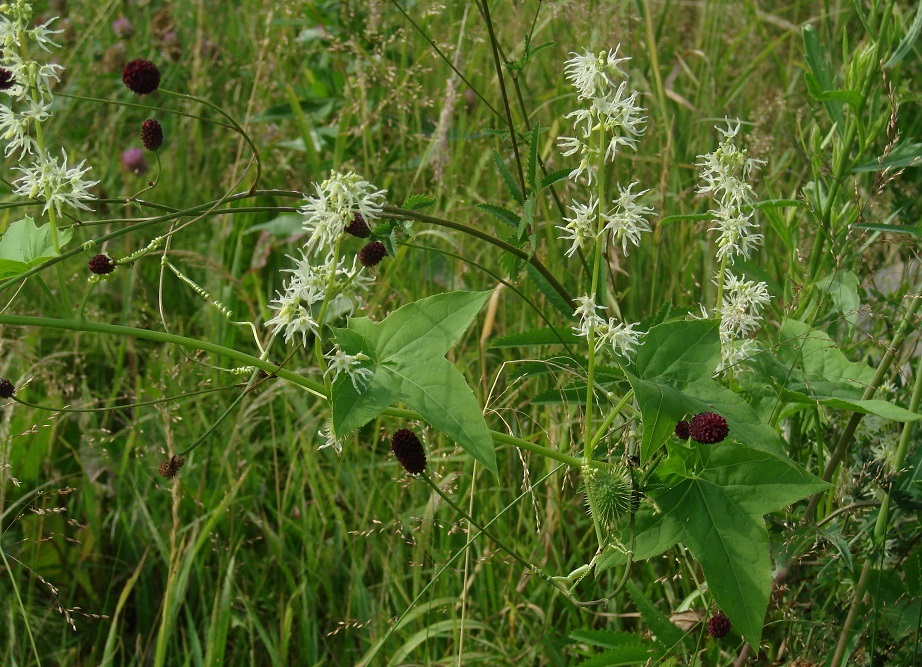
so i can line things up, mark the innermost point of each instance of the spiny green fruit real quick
(608, 492)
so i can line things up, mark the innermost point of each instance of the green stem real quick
(158, 336)
(596, 270)
(485, 10)
(611, 417)
(142, 225)
(313, 387)
(234, 125)
(398, 213)
(882, 369)
(880, 528)
(123, 406)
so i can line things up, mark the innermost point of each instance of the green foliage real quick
(407, 352)
(24, 245)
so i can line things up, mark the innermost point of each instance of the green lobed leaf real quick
(842, 288)
(440, 394)
(555, 177)
(715, 507)
(510, 182)
(556, 300)
(673, 382)
(417, 202)
(25, 245)
(406, 351)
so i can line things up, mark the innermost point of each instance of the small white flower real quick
(335, 204)
(589, 318)
(590, 73)
(628, 222)
(742, 304)
(624, 339)
(55, 183)
(292, 318)
(736, 233)
(330, 440)
(581, 228)
(339, 362)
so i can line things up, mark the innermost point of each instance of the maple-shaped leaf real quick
(671, 379)
(712, 498)
(407, 352)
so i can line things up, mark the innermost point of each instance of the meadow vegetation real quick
(784, 304)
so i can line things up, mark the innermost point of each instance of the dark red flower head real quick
(708, 428)
(718, 625)
(101, 264)
(681, 430)
(6, 388)
(6, 79)
(372, 253)
(141, 76)
(151, 134)
(409, 451)
(358, 227)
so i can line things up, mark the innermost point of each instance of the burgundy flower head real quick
(358, 227)
(101, 264)
(141, 76)
(681, 430)
(6, 79)
(708, 428)
(6, 388)
(151, 134)
(718, 625)
(372, 253)
(409, 451)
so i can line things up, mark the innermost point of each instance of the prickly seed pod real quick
(718, 625)
(708, 428)
(608, 492)
(170, 467)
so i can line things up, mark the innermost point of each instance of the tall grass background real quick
(269, 551)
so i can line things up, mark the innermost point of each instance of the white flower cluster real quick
(726, 173)
(27, 86)
(740, 313)
(620, 337)
(610, 120)
(333, 286)
(611, 111)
